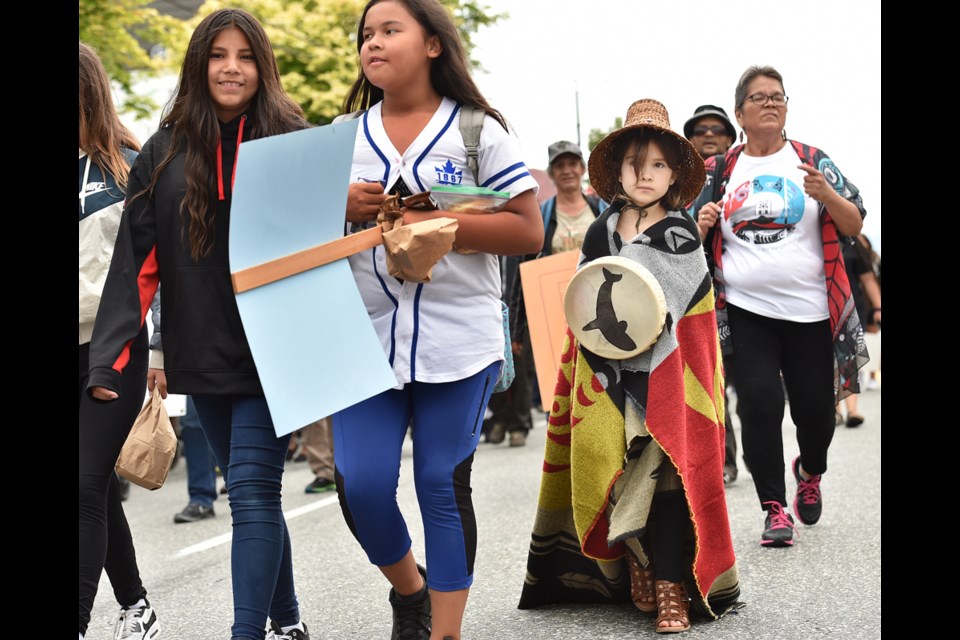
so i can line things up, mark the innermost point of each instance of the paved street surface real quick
(826, 586)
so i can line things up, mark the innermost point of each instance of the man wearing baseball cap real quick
(710, 131)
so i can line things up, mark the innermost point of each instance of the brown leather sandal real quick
(673, 605)
(641, 585)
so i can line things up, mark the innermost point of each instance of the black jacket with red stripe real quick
(205, 349)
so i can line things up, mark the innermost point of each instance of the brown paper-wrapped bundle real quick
(413, 249)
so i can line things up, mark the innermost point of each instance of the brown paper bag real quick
(413, 249)
(148, 452)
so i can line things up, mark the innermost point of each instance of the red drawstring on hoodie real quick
(233, 175)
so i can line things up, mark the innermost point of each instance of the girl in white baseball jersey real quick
(444, 338)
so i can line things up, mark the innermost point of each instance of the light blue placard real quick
(313, 343)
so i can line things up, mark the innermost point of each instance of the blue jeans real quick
(201, 465)
(240, 432)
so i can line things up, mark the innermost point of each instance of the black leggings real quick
(670, 535)
(763, 348)
(105, 542)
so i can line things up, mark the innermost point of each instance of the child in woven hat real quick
(645, 460)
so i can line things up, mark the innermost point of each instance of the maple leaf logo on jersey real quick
(449, 174)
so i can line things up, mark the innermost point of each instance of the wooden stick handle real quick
(261, 274)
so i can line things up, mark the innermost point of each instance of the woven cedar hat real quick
(646, 113)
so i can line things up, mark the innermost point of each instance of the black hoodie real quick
(205, 348)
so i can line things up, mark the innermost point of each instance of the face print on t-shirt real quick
(765, 210)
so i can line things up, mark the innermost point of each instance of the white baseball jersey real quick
(451, 327)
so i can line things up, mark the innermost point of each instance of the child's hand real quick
(364, 200)
(707, 217)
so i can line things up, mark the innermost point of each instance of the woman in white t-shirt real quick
(783, 299)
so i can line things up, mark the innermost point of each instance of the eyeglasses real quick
(715, 129)
(778, 99)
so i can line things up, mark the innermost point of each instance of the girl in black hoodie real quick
(174, 230)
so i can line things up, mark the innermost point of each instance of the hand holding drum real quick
(615, 307)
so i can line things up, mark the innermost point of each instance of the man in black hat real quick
(710, 131)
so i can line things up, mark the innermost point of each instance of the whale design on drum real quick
(615, 331)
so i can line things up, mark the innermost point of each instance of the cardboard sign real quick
(544, 282)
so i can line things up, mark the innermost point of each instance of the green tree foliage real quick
(596, 135)
(316, 48)
(116, 29)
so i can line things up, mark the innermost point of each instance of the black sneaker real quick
(276, 633)
(411, 614)
(193, 512)
(808, 503)
(778, 527)
(320, 485)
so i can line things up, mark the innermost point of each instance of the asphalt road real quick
(826, 586)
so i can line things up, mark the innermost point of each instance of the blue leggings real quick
(241, 436)
(368, 439)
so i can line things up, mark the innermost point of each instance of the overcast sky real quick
(685, 53)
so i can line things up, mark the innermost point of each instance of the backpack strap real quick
(353, 115)
(718, 170)
(597, 206)
(548, 208)
(471, 124)
(717, 189)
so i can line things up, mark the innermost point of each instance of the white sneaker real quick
(137, 624)
(275, 632)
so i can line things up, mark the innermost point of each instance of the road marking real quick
(216, 541)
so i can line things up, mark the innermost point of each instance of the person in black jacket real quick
(106, 150)
(175, 231)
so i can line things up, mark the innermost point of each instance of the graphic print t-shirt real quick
(571, 230)
(773, 250)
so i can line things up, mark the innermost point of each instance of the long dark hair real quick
(449, 73)
(102, 135)
(671, 153)
(192, 116)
